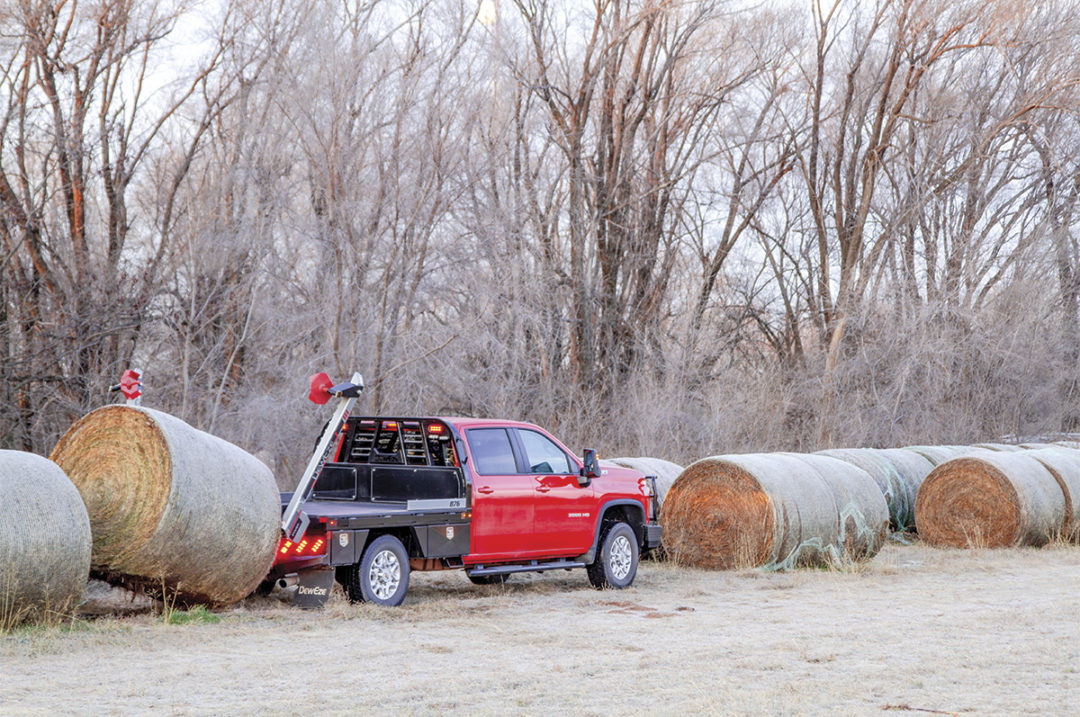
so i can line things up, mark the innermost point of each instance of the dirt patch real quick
(916, 630)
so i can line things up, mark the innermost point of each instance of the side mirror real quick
(591, 469)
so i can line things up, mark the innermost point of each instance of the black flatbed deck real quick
(359, 515)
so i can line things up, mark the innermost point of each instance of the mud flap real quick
(313, 587)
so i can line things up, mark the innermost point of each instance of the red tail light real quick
(309, 546)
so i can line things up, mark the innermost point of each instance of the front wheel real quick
(616, 563)
(382, 576)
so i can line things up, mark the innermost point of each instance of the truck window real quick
(491, 450)
(542, 454)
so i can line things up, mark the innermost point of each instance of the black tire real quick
(489, 579)
(616, 562)
(382, 576)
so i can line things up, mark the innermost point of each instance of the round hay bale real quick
(44, 540)
(990, 500)
(1064, 465)
(1037, 446)
(665, 471)
(172, 508)
(912, 468)
(863, 512)
(939, 454)
(893, 486)
(999, 447)
(752, 510)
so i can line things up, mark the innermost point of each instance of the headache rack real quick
(394, 460)
(404, 441)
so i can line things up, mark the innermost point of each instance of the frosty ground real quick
(917, 630)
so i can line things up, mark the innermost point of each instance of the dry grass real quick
(981, 631)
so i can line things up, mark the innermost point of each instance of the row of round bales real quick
(138, 498)
(1002, 496)
(781, 510)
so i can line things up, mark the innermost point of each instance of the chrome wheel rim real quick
(384, 574)
(620, 557)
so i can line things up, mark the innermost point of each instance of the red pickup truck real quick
(490, 497)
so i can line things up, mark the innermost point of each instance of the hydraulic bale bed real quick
(385, 495)
(390, 476)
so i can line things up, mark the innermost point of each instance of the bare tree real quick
(627, 109)
(84, 114)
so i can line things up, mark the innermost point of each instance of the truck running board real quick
(530, 567)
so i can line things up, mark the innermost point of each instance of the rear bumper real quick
(653, 533)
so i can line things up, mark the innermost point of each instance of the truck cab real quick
(491, 497)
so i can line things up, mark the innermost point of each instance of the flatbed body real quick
(493, 497)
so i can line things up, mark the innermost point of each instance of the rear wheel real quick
(616, 562)
(382, 576)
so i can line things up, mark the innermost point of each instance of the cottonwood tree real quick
(375, 115)
(627, 108)
(85, 111)
(864, 71)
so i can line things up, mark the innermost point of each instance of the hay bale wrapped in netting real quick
(665, 471)
(999, 447)
(939, 454)
(990, 500)
(896, 489)
(913, 469)
(172, 507)
(44, 539)
(750, 510)
(862, 511)
(770, 510)
(1064, 465)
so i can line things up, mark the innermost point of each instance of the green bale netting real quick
(862, 512)
(892, 485)
(913, 469)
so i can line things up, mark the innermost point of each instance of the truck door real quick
(565, 520)
(502, 499)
